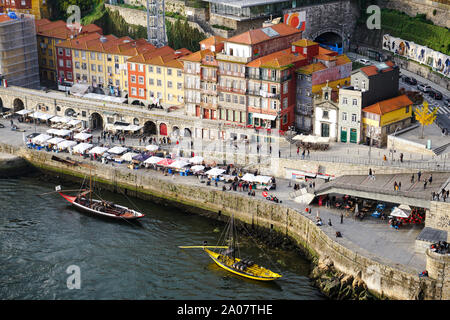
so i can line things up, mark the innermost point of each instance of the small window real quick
(407, 109)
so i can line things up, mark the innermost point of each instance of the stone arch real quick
(136, 121)
(136, 103)
(18, 104)
(69, 112)
(175, 131)
(95, 121)
(187, 133)
(149, 128)
(330, 37)
(1, 105)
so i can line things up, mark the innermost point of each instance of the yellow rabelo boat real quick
(227, 260)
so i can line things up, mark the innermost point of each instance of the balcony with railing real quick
(271, 95)
(232, 73)
(232, 90)
(209, 105)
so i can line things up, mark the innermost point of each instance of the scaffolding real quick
(18, 51)
(156, 25)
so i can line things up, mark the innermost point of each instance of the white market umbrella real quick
(41, 138)
(117, 150)
(129, 156)
(66, 144)
(74, 122)
(55, 140)
(82, 136)
(248, 177)
(262, 179)
(299, 137)
(23, 112)
(310, 139)
(98, 150)
(214, 172)
(197, 168)
(82, 147)
(151, 147)
(178, 164)
(153, 160)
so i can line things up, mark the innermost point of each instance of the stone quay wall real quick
(439, 217)
(383, 278)
(11, 165)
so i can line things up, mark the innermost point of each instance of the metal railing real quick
(410, 164)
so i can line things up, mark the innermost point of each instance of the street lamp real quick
(371, 129)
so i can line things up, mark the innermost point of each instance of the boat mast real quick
(233, 238)
(90, 187)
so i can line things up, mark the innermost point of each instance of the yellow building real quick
(384, 118)
(157, 77)
(39, 9)
(48, 35)
(100, 61)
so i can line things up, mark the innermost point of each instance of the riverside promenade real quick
(370, 238)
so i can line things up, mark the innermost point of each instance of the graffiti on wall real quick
(296, 20)
(408, 49)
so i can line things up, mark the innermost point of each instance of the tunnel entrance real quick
(331, 41)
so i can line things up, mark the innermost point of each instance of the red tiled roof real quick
(389, 105)
(257, 35)
(59, 29)
(276, 60)
(373, 70)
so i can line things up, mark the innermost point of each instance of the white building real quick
(326, 113)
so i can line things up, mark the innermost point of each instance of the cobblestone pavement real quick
(371, 237)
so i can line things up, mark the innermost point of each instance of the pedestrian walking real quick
(329, 222)
(401, 157)
(425, 185)
(418, 175)
(412, 178)
(430, 179)
(342, 218)
(303, 154)
(308, 152)
(399, 186)
(395, 185)
(370, 172)
(298, 150)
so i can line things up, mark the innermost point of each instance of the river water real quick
(41, 237)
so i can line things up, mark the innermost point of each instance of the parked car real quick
(364, 61)
(423, 87)
(410, 80)
(447, 103)
(32, 135)
(435, 94)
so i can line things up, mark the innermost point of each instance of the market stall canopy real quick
(41, 138)
(196, 160)
(248, 177)
(82, 147)
(299, 137)
(141, 157)
(55, 140)
(178, 164)
(197, 168)
(98, 150)
(323, 140)
(74, 122)
(117, 150)
(214, 172)
(153, 160)
(66, 144)
(129, 156)
(152, 147)
(59, 132)
(397, 212)
(41, 115)
(132, 127)
(23, 112)
(263, 179)
(165, 162)
(58, 119)
(82, 136)
(310, 139)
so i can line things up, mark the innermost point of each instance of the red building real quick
(64, 65)
(14, 5)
